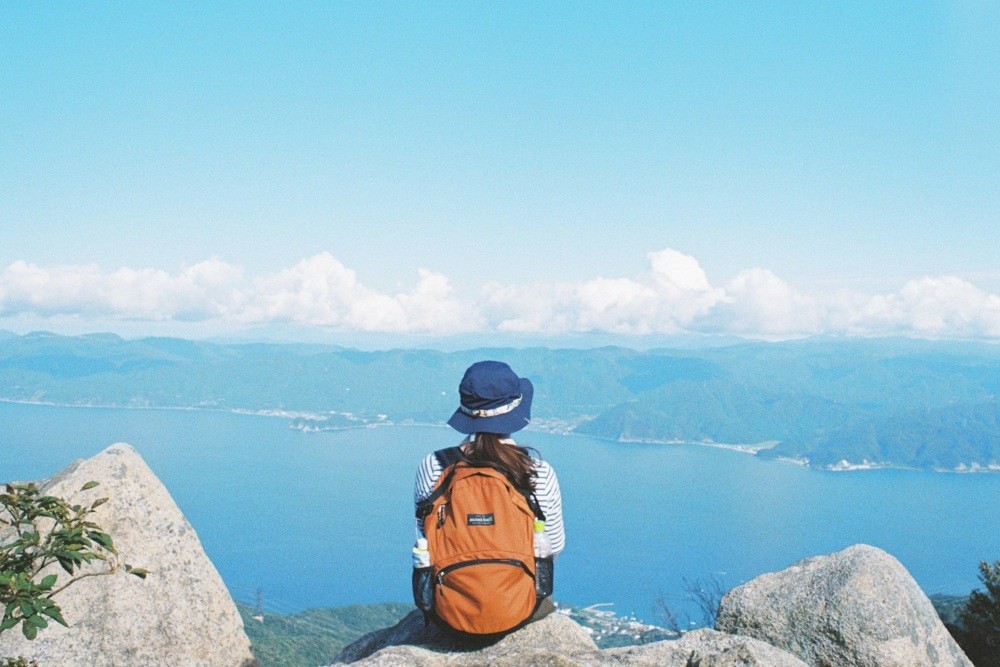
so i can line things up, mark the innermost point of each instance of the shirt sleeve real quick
(427, 474)
(550, 499)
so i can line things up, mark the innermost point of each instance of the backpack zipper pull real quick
(441, 511)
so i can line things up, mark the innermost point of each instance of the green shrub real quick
(17, 662)
(979, 622)
(976, 625)
(39, 531)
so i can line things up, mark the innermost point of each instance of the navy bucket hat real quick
(493, 400)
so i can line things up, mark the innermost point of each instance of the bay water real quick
(326, 519)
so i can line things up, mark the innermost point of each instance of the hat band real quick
(492, 412)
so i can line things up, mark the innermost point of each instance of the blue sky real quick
(847, 151)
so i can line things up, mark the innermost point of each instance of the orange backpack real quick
(479, 531)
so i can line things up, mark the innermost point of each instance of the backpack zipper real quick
(483, 561)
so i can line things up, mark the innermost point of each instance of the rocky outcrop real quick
(856, 607)
(181, 614)
(555, 641)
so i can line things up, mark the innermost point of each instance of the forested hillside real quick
(829, 402)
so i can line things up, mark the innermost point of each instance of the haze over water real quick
(325, 519)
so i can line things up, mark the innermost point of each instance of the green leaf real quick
(89, 485)
(48, 582)
(30, 631)
(9, 623)
(137, 571)
(102, 538)
(38, 622)
(97, 503)
(55, 615)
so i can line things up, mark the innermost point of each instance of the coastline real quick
(553, 426)
(742, 448)
(841, 466)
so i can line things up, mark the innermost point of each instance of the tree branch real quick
(78, 578)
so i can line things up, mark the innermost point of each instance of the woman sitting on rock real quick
(489, 515)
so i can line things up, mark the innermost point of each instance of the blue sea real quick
(325, 519)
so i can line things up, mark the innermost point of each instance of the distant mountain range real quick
(831, 403)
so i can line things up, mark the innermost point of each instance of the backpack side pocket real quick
(544, 573)
(423, 588)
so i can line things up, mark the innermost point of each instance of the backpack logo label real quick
(480, 519)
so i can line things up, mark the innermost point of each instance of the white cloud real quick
(935, 307)
(199, 292)
(757, 302)
(673, 295)
(431, 306)
(678, 273)
(322, 291)
(318, 291)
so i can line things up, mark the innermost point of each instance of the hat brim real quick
(513, 421)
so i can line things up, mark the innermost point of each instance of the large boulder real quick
(181, 614)
(855, 607)
(555, 641)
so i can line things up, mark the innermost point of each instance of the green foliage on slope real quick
(979, 622)
(911, 404)
(405, 384)
(315, 636)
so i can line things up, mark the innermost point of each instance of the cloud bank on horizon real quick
(672, 296)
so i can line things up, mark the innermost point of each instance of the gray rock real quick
(703, 648)
(181, 614)
(555, 641)
(856, 607)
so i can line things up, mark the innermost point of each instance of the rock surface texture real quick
(181, 614)
(556, 641)
(856, 607)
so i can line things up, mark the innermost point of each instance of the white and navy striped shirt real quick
(546, 490)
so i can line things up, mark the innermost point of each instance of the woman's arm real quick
(550, 498)
(427, 473)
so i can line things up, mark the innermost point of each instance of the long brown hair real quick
(485, 449)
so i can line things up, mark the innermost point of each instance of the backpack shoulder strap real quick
(447, 458)
(533, 503)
